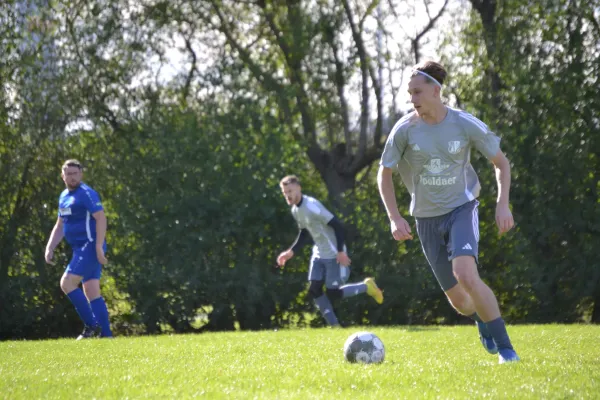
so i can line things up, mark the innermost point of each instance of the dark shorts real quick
(85, 262)
(329, 271)
(448, 236)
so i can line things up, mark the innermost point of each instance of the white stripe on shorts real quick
(476, 224)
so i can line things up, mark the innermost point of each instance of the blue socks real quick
(475, 317)
(482, 326)
(82, 306)
(353, 289)
(498, 331)
(101, 313)
(324, 306)
(92, 313)
(495, 329)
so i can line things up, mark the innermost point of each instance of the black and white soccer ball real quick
(365, 348)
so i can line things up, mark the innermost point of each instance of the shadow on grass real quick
(421, 328)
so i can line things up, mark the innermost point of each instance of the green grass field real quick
(558, 362)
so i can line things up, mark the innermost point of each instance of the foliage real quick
(188, 165)
(543, 56)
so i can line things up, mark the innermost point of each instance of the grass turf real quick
(558, 361)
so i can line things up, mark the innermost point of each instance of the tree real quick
(298, 53)
(536, 65)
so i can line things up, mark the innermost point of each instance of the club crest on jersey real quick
(454, 146)
(435, 166)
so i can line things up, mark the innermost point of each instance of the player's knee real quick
(468, 278)
(460, 300)
(465, 270)
(91, 289)
(315, 290)
(66, 284)
(334, 293)
(462, 305)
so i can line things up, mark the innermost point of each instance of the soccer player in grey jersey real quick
(329, 251)
(431, 148)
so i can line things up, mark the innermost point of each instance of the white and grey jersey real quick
(314, 217)
(434, 160)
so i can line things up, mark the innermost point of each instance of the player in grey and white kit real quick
(329, 257)
(431, 148)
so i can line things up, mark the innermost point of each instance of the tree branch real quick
(362, 54)
(293, 58)
(368, 12)
(192, 71)
(268, 82)
(340, 82)
(427, 28)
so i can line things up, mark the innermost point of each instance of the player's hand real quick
(100, 255)
(343, 259)
(49, 256)
(283, 257)
(504, 218)
(400, 229)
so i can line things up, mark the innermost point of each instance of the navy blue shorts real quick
(85, 262)
(448, 236)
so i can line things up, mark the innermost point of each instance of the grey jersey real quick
(313, 216)
(434, 160)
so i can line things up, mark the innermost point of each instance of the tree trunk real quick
(339, 169)
(487, 12)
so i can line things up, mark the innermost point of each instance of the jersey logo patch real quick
(454, 147)
(435, 166)
(64, 211)
(416, 147)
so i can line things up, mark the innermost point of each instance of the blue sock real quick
(324, 305)
(475, 317)
(82, 307)
(101, 313)
(353, 289)
(482, 326)
(498, 331)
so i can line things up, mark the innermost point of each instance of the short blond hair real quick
(289, 180)
(72, 163)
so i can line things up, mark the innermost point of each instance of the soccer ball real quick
(364, 347)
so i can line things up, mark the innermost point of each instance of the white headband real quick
(429, 76)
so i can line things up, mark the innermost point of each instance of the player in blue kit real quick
(82, 222)
(431, 149)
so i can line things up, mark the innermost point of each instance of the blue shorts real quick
(448, 236)
(328, 270)
(85, 262)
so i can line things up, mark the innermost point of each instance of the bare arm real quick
(386, 190)
(55, 238)
(504, 218)
(399, 226)
(100, 218)
(502, 168)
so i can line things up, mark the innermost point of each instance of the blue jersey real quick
(76, 208)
